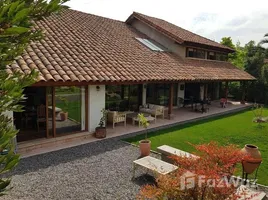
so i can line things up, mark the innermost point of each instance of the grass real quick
(236, 129)
(74, 110)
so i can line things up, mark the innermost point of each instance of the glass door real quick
(68, 110)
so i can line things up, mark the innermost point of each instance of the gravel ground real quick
(99, 170)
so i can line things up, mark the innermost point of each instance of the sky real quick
(241, 20)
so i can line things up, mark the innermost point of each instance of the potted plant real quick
(64, 109)
(145, 145)
(100, 131)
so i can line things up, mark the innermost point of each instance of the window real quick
(195, 53)
(122, 97)
(211, 55)
(159, 94)
(221, 57)
(217, 56)
(150, 44)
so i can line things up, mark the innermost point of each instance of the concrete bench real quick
(154, 165)
(167, 151)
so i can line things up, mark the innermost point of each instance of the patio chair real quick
(41, 115)
(115, 117)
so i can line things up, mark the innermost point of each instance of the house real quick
(88, 62)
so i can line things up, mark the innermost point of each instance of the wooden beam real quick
(84, 83)
(47, 121)
(171, 94)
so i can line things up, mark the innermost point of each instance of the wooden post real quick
(171, 93)
(243, 87)
(53, 112)
(226, 90)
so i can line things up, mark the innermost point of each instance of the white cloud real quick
(242, 20)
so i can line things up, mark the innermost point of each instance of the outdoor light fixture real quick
(98, 88)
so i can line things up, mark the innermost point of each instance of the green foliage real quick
(144, 122)
(103, 117)
(265, 40)
(227, 41)
(65, 103)
(16, 33)
(16, 20)
(238, 57)
(254, 64)
(11, 94)
(251, 59)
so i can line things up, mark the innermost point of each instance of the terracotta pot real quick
(100, 132)
(145, 147)
(63, 116)
(252, 163)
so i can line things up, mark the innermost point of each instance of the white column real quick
(144, 90)
(202, 91)
(181, 92)
(83, 110)
(10, 115)
(95, 105)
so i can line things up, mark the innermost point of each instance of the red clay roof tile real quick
(83, 47)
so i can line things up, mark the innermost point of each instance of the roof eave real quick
(227, 49)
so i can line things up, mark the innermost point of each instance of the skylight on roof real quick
(150, 44)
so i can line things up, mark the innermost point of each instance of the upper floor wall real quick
(173, 46)
(159, 37)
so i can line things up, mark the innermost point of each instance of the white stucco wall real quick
(144, 90)
(96, 104)
(202, 92)
(181, 93)
(160, 38)
(8, 114)
(83, 112)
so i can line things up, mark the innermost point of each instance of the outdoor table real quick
(134, 117)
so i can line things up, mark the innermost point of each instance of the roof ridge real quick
(95, 15)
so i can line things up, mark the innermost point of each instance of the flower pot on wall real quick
(100, 132)
(252, 163)
(63, 116)
(145, 147)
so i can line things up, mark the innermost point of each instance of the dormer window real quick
(150, 44)
(195, 53)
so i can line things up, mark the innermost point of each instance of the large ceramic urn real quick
(252, 163)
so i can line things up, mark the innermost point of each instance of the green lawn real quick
(236, 129)
(74, 110)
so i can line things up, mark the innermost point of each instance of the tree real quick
(255, 65)
(209, 175)
(265, 40)
(227, 41)
(238, 57)
(16, 32)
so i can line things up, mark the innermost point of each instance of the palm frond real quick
(266, 35)
(264, 41)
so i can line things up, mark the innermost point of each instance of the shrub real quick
(209, 175)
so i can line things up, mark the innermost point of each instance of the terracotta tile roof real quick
(177, 33)
(80, 47)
